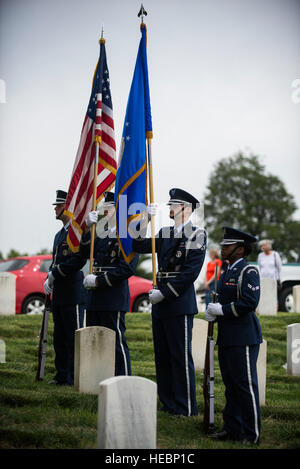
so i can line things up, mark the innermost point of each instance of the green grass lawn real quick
(37, 415)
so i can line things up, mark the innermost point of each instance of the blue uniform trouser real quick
(66, 320)
(242, 412)
(114, 320)
(175, 372)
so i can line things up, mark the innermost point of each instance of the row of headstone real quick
(132, 425)
(126, 404)
(95, 356)
(268, 303)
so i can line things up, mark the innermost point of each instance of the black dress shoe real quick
(246, 442)
(59, 383)
(221, 436)
(53, 381)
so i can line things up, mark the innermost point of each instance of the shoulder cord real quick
(240, 279)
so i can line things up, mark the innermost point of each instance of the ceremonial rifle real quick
(43, 341)
(208, 381)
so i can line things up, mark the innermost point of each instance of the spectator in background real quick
(214, 264)
(269, 262)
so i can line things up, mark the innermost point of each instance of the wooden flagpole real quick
(97, 140)
(149, 136)
(149, 140)
(94, 203)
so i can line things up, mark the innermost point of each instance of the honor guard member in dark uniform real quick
(181, 252)
(239, 338)
(68, 298)
(108, 291)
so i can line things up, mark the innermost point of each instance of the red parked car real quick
(31, 273)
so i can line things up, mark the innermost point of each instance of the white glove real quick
(50, 279)
(212, 311)
(155, 296)
(92, 218)
(152, 209)
(47, 288)
(90, 281)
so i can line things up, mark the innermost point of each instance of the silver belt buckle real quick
(166, 275)
(98, 270)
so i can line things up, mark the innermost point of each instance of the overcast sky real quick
(220, 72)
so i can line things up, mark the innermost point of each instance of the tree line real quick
(240, 193)
(14, 253)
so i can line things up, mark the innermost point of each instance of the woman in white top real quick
(269, 261)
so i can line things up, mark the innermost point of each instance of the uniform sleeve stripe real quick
(107, 279)
(172, 289)
(86, 242)
(233, 309)
(60, 271)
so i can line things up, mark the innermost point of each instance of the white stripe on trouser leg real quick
(187, 365)
(77, 317)
(252, 393)
(84, 318)
(121, 343)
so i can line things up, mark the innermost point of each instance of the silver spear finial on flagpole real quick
(102, 40)
(142, 12)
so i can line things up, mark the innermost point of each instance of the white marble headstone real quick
(2, 351)
(268, 297)
(94, 357)
(7, 293)
(199, 343)
(293, 349)
(127, 410)
(262, 372)
(296, 298)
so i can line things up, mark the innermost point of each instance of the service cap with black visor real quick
(181, 203)
(61, 199)
(236, 244)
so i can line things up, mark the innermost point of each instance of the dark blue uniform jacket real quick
(112, 294)
(68, 286)
(239, 292)
(182, 257)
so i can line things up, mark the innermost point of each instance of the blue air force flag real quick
(131, 180)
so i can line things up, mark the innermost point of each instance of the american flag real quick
(98, 125)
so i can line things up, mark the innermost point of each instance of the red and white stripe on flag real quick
(80, 194)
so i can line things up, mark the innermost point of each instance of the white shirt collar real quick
(231, 266)
(180, 227)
